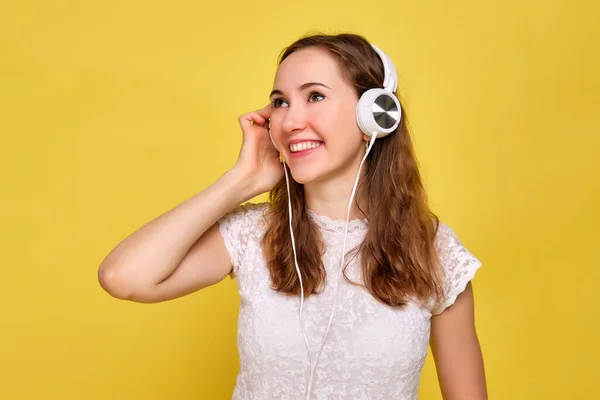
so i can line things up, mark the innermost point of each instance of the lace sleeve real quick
(237, 227)
(459, 266)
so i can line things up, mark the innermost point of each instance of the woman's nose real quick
(294, 119)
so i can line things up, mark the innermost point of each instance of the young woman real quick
(406, 277)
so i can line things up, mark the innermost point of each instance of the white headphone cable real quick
(313, 368)
(287, 182)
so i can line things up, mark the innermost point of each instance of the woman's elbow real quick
(113, 283)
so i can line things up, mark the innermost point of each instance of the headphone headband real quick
(390, 80)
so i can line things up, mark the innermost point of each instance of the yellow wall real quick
(113, 112)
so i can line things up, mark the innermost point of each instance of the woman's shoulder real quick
(251, 209)
(444, 236)
(246, 215)
(242, 227)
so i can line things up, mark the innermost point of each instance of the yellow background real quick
(112, 112)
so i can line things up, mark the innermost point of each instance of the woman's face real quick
(314, 118)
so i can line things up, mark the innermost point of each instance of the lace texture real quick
(373, 351)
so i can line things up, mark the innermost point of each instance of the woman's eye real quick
(278, 103)
(316, 97)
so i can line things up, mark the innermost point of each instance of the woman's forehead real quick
(307, 65)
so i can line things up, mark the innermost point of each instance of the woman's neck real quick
(330, 199)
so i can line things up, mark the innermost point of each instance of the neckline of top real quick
(337, 225)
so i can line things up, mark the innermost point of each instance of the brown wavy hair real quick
(398, 254)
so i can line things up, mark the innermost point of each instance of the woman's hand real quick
(258, 161)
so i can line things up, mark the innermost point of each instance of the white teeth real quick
(303, 146)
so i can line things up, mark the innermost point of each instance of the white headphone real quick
(378, 113)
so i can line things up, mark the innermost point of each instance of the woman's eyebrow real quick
(304, 86)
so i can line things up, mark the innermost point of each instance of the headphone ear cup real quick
(378, 111)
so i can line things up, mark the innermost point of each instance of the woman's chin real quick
(305, 175)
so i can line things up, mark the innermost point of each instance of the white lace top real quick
(373, 351)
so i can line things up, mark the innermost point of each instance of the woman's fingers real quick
(258, 117)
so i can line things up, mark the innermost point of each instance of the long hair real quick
(398, 254)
